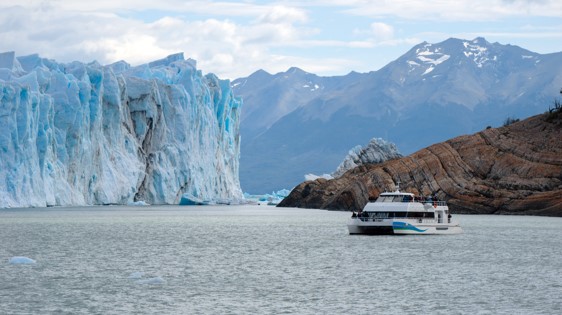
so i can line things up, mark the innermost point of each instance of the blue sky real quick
(235, 38)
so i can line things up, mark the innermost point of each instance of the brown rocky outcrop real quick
(515, 169)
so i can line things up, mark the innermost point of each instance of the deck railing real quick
(417, 220)
(429, 201)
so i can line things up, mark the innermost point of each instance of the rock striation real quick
(515, 169)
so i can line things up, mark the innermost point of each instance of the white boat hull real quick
(398, 227)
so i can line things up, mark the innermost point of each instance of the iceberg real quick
(269, 199)
(21, 260)
(87, 134)
(190, 200)
(154, 280)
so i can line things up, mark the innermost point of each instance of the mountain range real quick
(294, 123)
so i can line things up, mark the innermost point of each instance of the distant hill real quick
(515, 169)
(294, 123)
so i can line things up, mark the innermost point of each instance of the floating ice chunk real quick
(191, 200)
(138, 277)
(283, 193)
(154, 280)
(21, 260)
(138, 203)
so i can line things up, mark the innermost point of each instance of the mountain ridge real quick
(433, 91)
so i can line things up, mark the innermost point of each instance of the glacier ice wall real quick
(376, 151)
(84, 134)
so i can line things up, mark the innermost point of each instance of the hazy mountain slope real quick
(432, 93)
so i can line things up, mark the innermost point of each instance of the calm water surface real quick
(265, 260)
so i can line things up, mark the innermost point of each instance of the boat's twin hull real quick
(356, 226)
(370, 230)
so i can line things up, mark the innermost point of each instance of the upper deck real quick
(400, 201)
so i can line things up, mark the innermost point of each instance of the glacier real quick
(86, 134)
(376, 151)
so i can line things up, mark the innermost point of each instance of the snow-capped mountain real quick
(432, 93)
(82, 134)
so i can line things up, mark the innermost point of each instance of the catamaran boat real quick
(403, 213)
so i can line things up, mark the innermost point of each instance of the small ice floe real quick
(154, 280)
(138, 203)
(21, 260)
(138, 276)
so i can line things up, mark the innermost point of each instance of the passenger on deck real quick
(407, 198)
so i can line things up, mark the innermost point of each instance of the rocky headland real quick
(514, 169)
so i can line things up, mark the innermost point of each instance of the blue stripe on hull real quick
(406, 226)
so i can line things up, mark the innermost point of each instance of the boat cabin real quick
(391, 205)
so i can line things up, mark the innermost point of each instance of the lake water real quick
(266, 260)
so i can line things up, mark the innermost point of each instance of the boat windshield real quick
(394, 198)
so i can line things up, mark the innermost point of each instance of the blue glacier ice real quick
(86, 134)
(21, 260)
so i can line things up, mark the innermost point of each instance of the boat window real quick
(420, 215)
(401, 214)
(379, 215)
(397, 199)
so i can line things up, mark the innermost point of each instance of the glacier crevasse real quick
(86, 134)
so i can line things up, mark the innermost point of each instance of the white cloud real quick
(382, 31)
(461, 10)
(233, 39)
(283, 15)
(76, 30)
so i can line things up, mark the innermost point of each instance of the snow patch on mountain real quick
(312, 87)
(430, 56)
(478, 54)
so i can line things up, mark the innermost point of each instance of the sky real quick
(233, 39)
